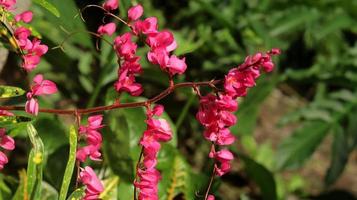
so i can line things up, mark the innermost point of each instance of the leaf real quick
(294, 150)
(339, 156)
(10, 91)
(50, 7)
(70, 163)
(78, 194)
(261, 176)
(35, 164)
(10, 121)
(48, 192)
(110, 186)
(179, 180)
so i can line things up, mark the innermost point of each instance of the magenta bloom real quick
(8, 4)
(25, 17)
(40, 87)
(93, 185)
(135, 12)
(176, 65)
(107, 29)
(149, 25)
(7, 143)
(93, 139)
(110, 5)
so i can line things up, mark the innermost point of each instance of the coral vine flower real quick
(110, 5)
(25, 17)
(158, 130)
(135, 12)
(40, 87)
(8, 143)
(93, 185)
(107, 29)
(8, 4)
(93, 139)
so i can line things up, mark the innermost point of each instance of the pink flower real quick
(32, 107)
(3, 160)
(127, 83)
(42, 86)
(124, 46)
(38, 48)
(93, 139)
(25, 17)
(147, 185)
(149, 25)
(135, 12)
(159, 56)
(210, 197)
(224, 157)
(93, 185)
(163, 39)
(6, 142)
(176, 65)
(110, 5)
(8, 4)
(30, 62)
(107, 29)
(5, 113)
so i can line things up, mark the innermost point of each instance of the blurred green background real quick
(297, 130)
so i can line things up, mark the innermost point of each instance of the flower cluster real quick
(93, 185)
(161, 44)
(38, 88)
(216, 115)
(216, 111)
(6, 142)
(158, 130)
(32, 49)
(93, 139)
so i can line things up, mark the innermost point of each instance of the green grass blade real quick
(50, 7)
(35, 164)
(70, 164)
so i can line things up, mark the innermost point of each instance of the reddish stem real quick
(160, 96)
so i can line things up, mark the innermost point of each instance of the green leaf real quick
(110, 186)
(294, 150)
(261, 176)
(10, 91)
(70, 163)
(78, 194)
(50, 7)
(339, 156)
(48, 192)
(21, 191)
(179, 180)
(35, 164)
(10, 121)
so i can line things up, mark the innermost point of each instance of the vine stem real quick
(117, 105)
(212, 177)
(136, 170)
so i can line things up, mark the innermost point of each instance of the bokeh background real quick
(297, 129)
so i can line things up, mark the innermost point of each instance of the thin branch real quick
(114, 106)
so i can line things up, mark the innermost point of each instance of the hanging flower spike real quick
(110, 5)
(93, 185)
(158, 130)
(93, 139)
(107, 29)
(26, 17)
